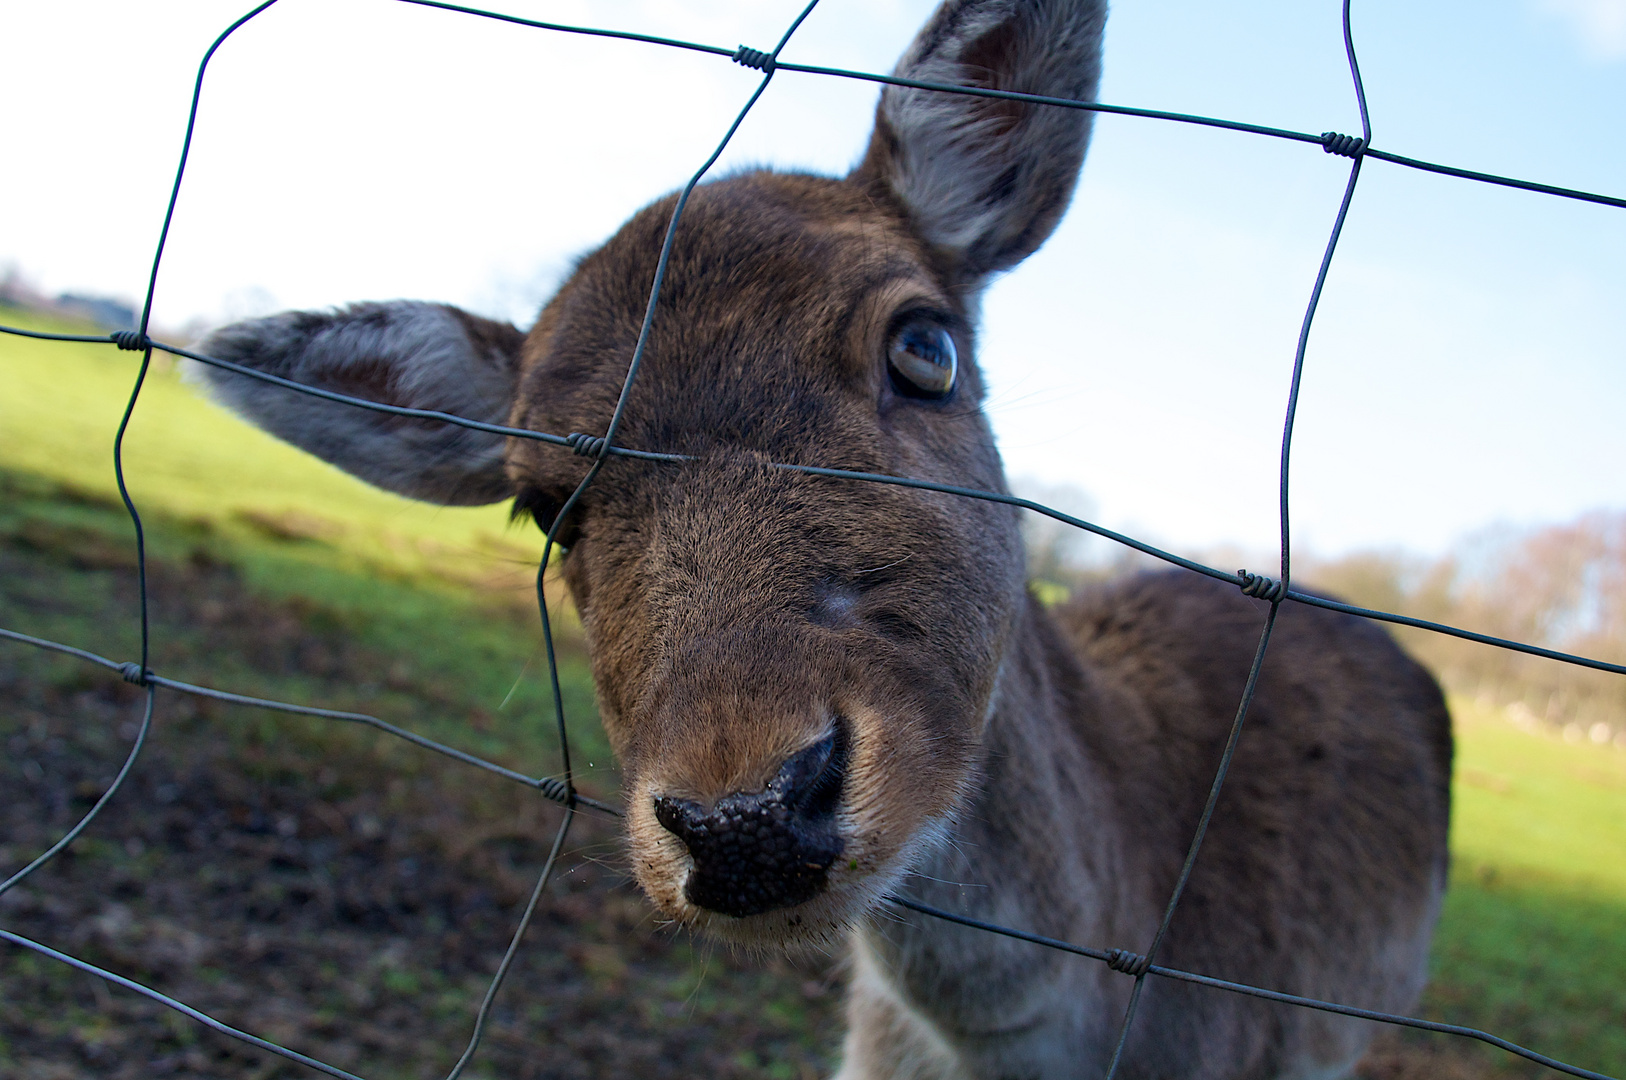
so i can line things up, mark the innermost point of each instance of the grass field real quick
(1533, 939)
(277, 575)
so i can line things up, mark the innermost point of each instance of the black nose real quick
(758, 851)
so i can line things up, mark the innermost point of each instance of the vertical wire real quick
(1355, 76)
(552, 534)
(1286, 560)
(497, 980)
(146, 320)
(553, 668)
(186, 150)
(671, 233)
(118, 781)
(129, 503)
(141, 677)
(1315, 299)
(633, 367)
(1298, 374)
(1197, 837)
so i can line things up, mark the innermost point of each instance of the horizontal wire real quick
(875, 478)
(1454, 631)
(1202, 568)
(330, 395)
(1206, 121)
(1010, 500)
(44, 335)
(1038, 99)
(588, 31)
(1381, 1017)
(1107, 956)
(179, 1006)
(404, 410)
(1061, 102)
(548, 786)
(1492, 178)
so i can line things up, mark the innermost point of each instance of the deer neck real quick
(1039, 847)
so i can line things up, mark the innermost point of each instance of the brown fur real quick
(1039, 769)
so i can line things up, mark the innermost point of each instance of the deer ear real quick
(422, 356)
(986, 180)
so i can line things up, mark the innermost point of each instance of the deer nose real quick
(759, 851)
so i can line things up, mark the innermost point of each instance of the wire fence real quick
(601, 448)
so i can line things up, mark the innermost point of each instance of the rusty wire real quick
(601, 449)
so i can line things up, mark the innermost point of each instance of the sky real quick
(1468, 361)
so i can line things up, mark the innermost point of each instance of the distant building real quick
(104, 311)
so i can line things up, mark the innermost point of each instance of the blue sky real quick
(1468, 365)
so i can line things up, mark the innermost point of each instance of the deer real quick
(826, 693)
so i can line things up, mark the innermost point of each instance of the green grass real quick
(1532, 942)
(1532, 806)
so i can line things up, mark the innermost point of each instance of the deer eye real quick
(921, 359)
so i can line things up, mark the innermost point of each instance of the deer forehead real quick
(767, 270)
(769, 341)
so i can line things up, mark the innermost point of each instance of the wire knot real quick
(1258, 585)
(130, 340)
(588, 446)
(753, 58)
(556, 789)
(1343, 145)
(1130, 963)
(134, 673)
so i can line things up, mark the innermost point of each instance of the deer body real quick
(824, 692)
(1099, 753)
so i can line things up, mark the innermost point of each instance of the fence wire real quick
(601, 448)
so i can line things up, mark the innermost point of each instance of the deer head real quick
(795, 671)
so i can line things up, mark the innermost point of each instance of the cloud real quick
(1599, 24)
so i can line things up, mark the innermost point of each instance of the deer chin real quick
(874, 861)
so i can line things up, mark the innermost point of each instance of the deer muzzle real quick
(755, 852)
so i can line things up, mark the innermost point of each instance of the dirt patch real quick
(339, 893)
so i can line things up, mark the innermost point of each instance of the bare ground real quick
(342, 894)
